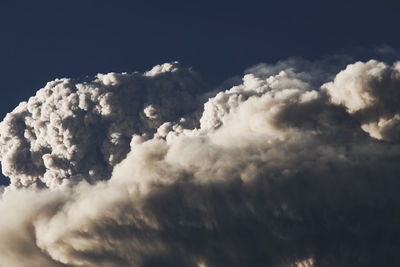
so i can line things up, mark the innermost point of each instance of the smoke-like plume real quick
(73, 130)
(283, 169)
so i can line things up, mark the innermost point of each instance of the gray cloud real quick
(387, 51)
(279, 170)
(73, 130)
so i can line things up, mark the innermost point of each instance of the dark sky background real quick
(44, 40)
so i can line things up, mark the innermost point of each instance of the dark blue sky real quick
(43, 40)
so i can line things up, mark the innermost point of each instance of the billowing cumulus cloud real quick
(371, 92)
(74, 130)
(291, 166)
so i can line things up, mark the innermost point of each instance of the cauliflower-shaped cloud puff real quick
(73, 130)
(371, 92)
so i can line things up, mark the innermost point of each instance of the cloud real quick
(370, 91)
(388, 51)
(78, 130)
(278, 170)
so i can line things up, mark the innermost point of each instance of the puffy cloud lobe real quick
(73, 130)
(371, 92)
(277, 174)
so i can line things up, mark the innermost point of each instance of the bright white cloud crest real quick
(138, 170)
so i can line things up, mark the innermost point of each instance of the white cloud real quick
(73, 130)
